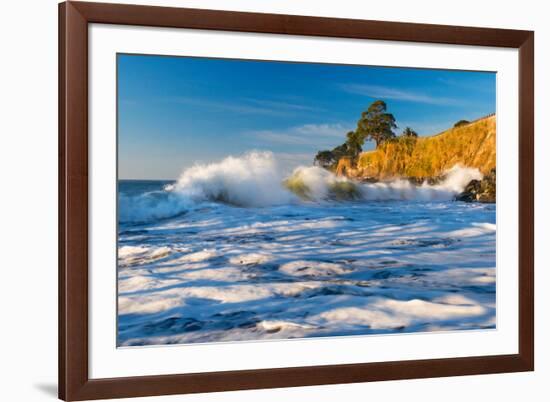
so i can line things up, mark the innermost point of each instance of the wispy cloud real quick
(383, 92)
(289, 161)
(245, 105)
(472, 84)
(282, 105)
(304, 134)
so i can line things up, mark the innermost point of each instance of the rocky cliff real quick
(426, 158)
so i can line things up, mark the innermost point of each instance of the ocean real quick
(238, 250)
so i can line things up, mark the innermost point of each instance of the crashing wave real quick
(317, 184)
(254, 180)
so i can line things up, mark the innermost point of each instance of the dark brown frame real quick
(74, 17)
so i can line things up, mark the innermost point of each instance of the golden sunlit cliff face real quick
(471, 145)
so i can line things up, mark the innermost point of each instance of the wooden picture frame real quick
(74, 381)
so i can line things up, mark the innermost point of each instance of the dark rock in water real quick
(483, 190)
(470, 192)
(368, 179)
(418, 181)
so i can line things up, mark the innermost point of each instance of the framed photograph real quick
(258, 200)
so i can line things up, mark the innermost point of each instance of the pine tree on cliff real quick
(376, 124)
(409, 133)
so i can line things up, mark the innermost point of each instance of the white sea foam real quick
(250, 258)
(312, 268)
(226, 274)
(143, 282)
(176, 297)
(197, 256)
(129, 255)
(474, 230)
(456, 179)
(310, 265)
(387, 313)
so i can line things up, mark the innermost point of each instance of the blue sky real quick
(178, 111)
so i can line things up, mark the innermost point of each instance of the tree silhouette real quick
(324, 159)
(376, 124)
(409, 132)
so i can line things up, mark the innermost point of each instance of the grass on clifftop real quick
(471, 145)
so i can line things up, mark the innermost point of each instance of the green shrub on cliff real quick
(461, 123)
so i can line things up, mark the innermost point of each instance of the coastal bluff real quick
(427, 158)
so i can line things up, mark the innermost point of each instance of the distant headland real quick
(417, 159)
